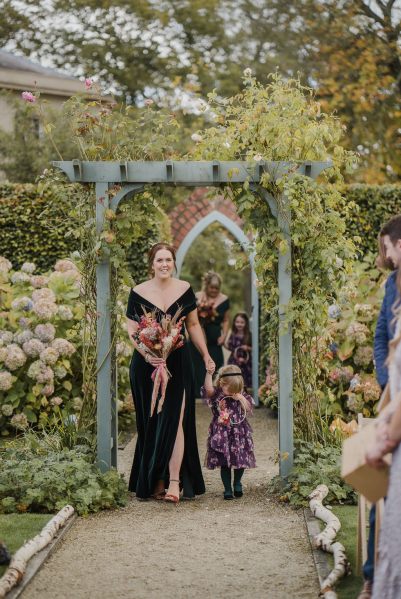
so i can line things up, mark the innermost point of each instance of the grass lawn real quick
(348, 587)
(15, 529)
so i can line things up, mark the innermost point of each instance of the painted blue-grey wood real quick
(127, 192)
(237, 232)
(285, 403)
(106, 430)
(285, 365)
(187, 173)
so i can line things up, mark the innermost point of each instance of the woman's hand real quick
(221, 339)
(381, 447)
(154, 361)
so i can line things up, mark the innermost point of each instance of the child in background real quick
(239, 343)
(229, 443)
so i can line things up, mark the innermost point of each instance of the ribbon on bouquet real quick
(160, 378)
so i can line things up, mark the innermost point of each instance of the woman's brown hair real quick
(160, 245)
(247, 333)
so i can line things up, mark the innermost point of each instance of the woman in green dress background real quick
(213, 312)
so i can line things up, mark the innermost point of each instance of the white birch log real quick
(17, 567)
(324, 541)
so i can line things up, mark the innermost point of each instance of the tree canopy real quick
(348, 52)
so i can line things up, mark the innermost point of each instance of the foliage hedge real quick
(33, 229)
(376, 204)
(28, 235)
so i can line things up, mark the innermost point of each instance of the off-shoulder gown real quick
(157, 434)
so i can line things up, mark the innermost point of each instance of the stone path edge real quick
(320, 558)
(39, 559)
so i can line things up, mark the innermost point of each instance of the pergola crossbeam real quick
(187, 173)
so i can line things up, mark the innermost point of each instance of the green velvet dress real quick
(213, 331)
(157, 434)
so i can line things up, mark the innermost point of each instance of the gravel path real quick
(204, 548)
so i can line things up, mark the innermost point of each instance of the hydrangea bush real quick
(349, 383)
(41, 347)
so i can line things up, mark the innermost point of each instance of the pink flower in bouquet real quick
(28, 97)
(88, 83)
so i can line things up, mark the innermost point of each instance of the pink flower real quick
(28, 97)
(148, 102)
(88, 83)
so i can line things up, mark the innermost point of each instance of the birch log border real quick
(20, 559)
(324, 540)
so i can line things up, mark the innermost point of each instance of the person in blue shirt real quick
(390, 258)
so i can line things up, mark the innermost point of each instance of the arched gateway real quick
(133, 176)
(188, 220)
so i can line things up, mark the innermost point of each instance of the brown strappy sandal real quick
(169, 497)
(158, 496)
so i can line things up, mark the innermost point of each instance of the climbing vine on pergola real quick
(133, 177)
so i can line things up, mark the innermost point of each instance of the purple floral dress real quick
(229, 441)
(242, 359)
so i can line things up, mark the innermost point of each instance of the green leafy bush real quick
(375, 204)
(314, 465)
(33, 228)
(35, 480)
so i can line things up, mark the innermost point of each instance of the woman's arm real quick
(394, 431)
(225, 325)
(132, 327)
(227, 343)
(198, 339)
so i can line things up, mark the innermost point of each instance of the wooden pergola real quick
(133, 177)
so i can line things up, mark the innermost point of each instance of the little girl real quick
(240, 345)
(229, 443)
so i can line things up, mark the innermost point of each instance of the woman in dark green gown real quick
(166, 452)
(215, 325)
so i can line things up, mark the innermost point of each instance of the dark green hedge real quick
(30, 232)
(26, 229)
(376, 205)
(33, 229)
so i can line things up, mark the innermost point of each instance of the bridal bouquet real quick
(206, 313)
(159, 339)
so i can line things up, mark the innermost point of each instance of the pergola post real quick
(106, 399)
(285, 387)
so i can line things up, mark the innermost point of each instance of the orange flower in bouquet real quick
(159, 338)
(206, 313)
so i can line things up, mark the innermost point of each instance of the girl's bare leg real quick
(176, 457)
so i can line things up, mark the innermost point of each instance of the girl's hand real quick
(209, 364)
(221, 339)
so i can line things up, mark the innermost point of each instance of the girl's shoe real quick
(228, 495)
(238, 490)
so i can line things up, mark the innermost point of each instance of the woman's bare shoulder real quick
(141, 287)
(182, 285)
